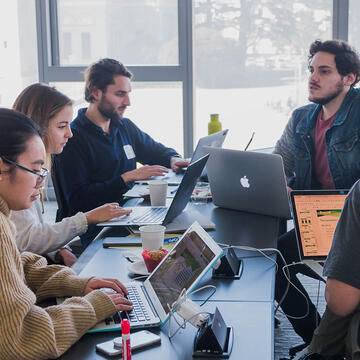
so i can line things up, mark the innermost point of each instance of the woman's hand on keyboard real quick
(120, 302)
(99, 283)
(105, 213)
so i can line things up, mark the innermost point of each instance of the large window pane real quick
(156, 108)
(251, 64)
(137, 32)
(18, 52)
(354, 25)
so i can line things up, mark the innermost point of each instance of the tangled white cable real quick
(189, 311)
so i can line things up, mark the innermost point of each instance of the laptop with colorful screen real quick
(182, 268)
(316, 214)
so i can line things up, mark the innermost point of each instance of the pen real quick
(174, 191)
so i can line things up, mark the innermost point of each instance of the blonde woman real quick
(52, 111)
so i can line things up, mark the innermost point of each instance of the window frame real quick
(50, 69)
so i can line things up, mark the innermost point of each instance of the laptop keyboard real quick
(151, 216)
(139, 313)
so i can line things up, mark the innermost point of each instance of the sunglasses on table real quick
(42, 174)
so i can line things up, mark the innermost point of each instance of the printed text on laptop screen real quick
(317, 216)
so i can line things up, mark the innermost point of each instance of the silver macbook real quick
(146, 215)
(213, 140)
(316, 214)
(182, 268)
(248, 181)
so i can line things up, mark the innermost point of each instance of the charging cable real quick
(285, 271)
(287, 276)
(189, 311)
(261, 251)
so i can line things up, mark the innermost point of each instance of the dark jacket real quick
(90, 167)
(342, 144)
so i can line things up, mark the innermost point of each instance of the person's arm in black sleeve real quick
(342, 265)
(74, 174)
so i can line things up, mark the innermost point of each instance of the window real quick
(136, 32)
(249, 57)
(354, 26)
(153, 38)
(251, 64)
(67, 46)
(85, 45)
(18, 48)
(147, 110)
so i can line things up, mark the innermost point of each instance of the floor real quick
(284, 335)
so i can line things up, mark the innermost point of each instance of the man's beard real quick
(325, 100)
(107, 110)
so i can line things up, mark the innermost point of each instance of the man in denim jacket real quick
(320, 147)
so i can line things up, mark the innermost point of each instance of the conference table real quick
(245, 304)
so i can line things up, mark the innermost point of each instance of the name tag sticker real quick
(129, 152)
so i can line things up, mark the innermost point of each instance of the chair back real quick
(63, 209)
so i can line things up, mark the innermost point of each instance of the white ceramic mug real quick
(158, 191)
(152, 236)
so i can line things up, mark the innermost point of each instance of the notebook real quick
(145, 215)
(316, 214)
(183, 267)
(248, 181)
(213, 140)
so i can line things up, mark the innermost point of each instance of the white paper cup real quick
(152, 236)
(158, 190)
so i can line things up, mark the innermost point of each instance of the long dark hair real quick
(15, 131)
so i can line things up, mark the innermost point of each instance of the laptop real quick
(182, 268)
(248, 181)
(146, 215)
(316, 214)
(213, 140)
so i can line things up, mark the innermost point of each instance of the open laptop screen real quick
(316, 214)
(181, 268)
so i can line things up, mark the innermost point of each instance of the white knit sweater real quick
(33, 235)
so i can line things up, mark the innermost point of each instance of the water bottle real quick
(214, 125)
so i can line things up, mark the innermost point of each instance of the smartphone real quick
(108, 348)
(138, 340)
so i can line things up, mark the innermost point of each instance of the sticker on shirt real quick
(129, 151)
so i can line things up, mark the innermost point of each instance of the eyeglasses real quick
(42, 174)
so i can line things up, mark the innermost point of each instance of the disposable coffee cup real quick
(152, 236)
(158, 190)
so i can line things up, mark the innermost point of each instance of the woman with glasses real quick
(52, 111)
(28, 331)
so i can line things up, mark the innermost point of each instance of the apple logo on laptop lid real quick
(244, 181)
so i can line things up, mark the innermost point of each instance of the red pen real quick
(125, 334)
